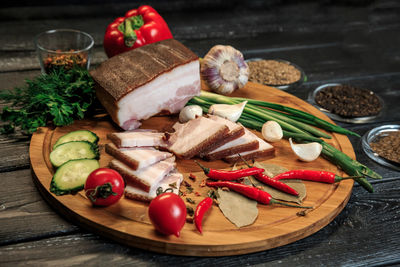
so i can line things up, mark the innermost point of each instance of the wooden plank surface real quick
(127, 221)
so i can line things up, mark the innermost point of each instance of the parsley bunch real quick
(57, 98)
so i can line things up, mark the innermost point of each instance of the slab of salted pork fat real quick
(137, 138)
(146, 178)
(235, 131)
(137, 157)
(242, 144)
(264, 150)
(152, 79)
(173, 178)
(194, 136)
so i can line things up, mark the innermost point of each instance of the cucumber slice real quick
(72, 175)
(79, 135)
(73, 150)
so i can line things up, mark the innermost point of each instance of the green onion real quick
(295, 124)
(292, 122)
(303, 116)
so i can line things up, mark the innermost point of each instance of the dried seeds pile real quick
(388, 146)
(272, 72)
(348, 101)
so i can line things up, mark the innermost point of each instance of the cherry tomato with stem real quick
(104, 187)
(167, 212)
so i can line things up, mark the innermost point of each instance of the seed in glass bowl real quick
(273, 72)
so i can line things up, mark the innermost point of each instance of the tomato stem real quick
(101, 191)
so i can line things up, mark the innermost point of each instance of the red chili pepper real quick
(229, 175)
(139, 27)
(252, 192)
(201, 209)
(311, 175)
(275, 184)
(272, 182)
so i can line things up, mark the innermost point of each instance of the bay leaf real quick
(238, 209)
(272, 170)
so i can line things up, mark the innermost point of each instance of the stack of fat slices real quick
(213, 138)
(146, 158)
(144, 167)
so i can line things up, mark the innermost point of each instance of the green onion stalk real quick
(295, 124)
(299, 115)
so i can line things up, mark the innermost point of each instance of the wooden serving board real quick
(127, 221)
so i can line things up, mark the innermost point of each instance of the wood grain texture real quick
(127, 221)
(364, 215)
(23, 213)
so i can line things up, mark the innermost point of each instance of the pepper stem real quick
(130, 24)
(245, 162)
(274, 201)
(205, 170)
(339, 178)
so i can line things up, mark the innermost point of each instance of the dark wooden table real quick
(355, 42)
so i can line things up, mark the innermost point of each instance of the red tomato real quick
(104, 187)
(167, 212)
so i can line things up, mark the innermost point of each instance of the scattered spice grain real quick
(173, 185)
(192, 177)
(203, 183)
(387, 145)
(273, 72)
(348, 101)
(189, 211)
(191, 201)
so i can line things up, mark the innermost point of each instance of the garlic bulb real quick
(224, 69)
(272, 131)
(306, 152)
(229, 112)
(189, 113)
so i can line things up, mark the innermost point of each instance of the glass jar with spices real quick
(63, 48)
(382, 144)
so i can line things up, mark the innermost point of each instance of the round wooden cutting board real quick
(127, 221)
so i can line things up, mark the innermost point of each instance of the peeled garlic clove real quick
(189, 113)
(224, 69)
(272, 131)
(229, 112)
(306, 152)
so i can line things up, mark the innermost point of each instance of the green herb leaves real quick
(58, 98)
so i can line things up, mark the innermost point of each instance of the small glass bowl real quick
(365, 119)
(303, 77)
(63, 48)
(371, 136)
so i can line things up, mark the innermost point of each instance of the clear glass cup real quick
(63, 48)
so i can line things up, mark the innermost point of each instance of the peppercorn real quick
(348, 101)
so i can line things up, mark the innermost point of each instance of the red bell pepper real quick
(139, 27)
